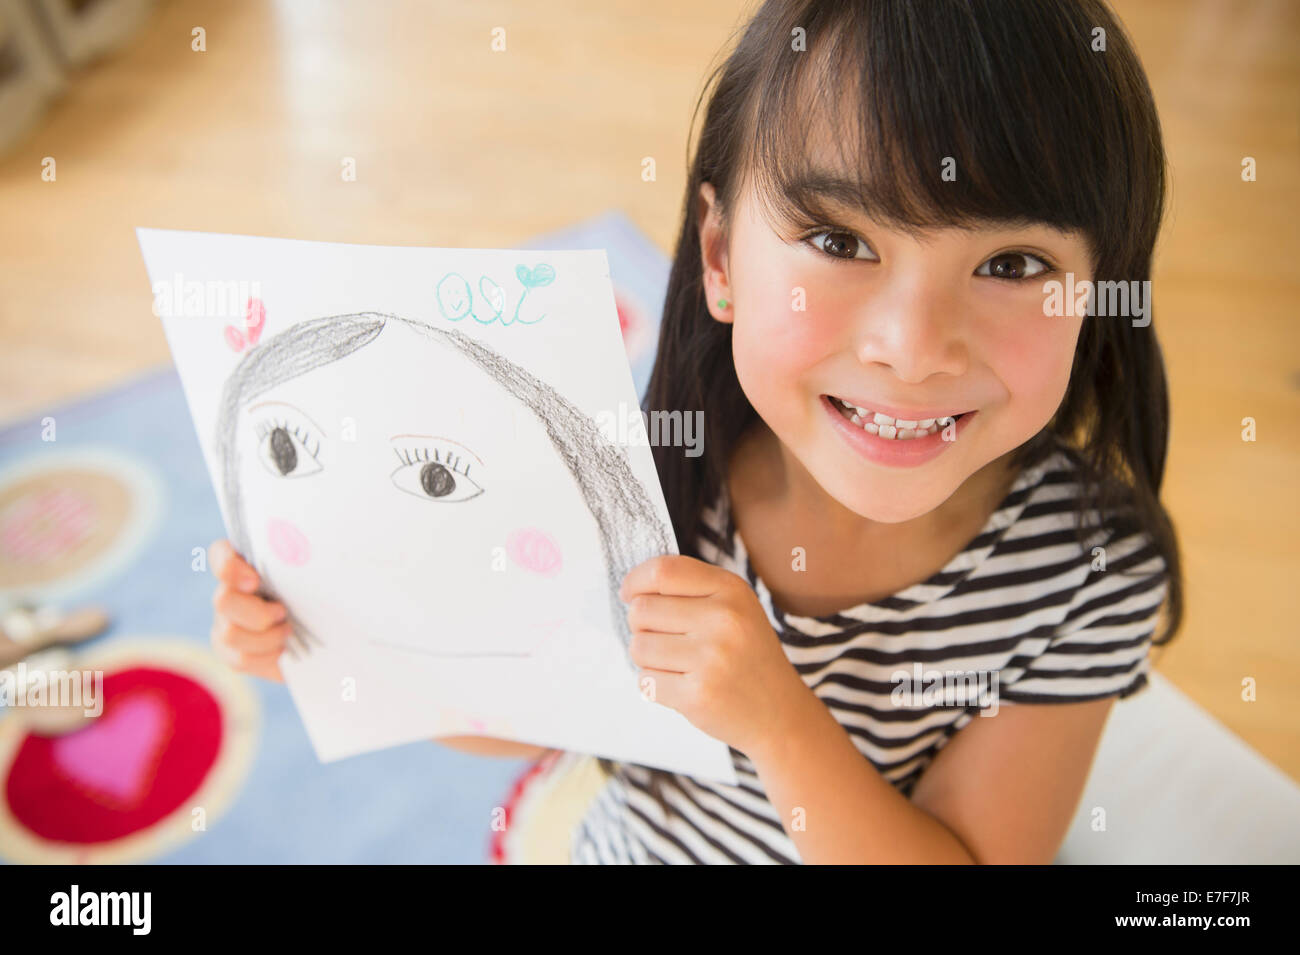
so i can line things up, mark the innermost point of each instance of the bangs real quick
(950, 113)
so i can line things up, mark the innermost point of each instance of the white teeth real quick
(900, 429)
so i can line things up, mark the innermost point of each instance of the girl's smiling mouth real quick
(896, 442)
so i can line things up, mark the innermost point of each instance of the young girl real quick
(929, 498)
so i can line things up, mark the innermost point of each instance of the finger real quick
(662, 687)
(238, 638)
(679, 615)
(263, 665)
(267, 668)
(247, 610)
(671, 652)
(675, 575)
(229, 567)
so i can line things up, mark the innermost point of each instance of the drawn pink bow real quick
(254, 320)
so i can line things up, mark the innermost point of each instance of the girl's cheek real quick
(1034, 364)
(287, 542)
(782, 335)
(775, 351)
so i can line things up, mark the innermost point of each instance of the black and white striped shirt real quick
(1023, 600)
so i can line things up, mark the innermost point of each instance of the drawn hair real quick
(628, 525)
(1043, 129)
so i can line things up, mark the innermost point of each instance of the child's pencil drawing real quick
(430, 469)
(428, 492)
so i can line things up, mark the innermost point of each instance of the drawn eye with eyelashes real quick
(286, 448)
(438, 473)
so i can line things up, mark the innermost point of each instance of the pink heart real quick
(116, 754)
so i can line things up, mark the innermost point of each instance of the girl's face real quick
(905, 328)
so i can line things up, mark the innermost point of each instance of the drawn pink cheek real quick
(287, 542)
(534, 550)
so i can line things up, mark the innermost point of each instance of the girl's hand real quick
(248, 631)
(705, 645)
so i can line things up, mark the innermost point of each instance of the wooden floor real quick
(457, 145)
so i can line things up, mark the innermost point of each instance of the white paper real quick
(419, 451)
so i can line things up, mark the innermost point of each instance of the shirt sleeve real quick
(1101, 648)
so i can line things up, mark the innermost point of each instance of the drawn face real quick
(422, 489)
(915, 330)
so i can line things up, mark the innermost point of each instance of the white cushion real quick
(1178, 787)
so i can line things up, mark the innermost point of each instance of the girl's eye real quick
(433, 474)
(1013, 266)
(842, 245)
(287, 451)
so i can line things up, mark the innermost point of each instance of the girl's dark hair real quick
(1043, 105)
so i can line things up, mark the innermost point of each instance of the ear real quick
(713, 253)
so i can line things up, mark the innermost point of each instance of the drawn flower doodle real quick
(456, 299)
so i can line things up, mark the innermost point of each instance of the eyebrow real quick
(847, 194)
(802, 193)
(263, 404)
(831, 186)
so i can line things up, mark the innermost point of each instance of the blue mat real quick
(420, 803)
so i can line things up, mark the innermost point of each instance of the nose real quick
(916, 328)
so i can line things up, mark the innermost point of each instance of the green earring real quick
(722, 303)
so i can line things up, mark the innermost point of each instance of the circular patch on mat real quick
(156, 768)
(70, 518)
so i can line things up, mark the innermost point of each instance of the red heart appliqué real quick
(144, 757)
(114, 758)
